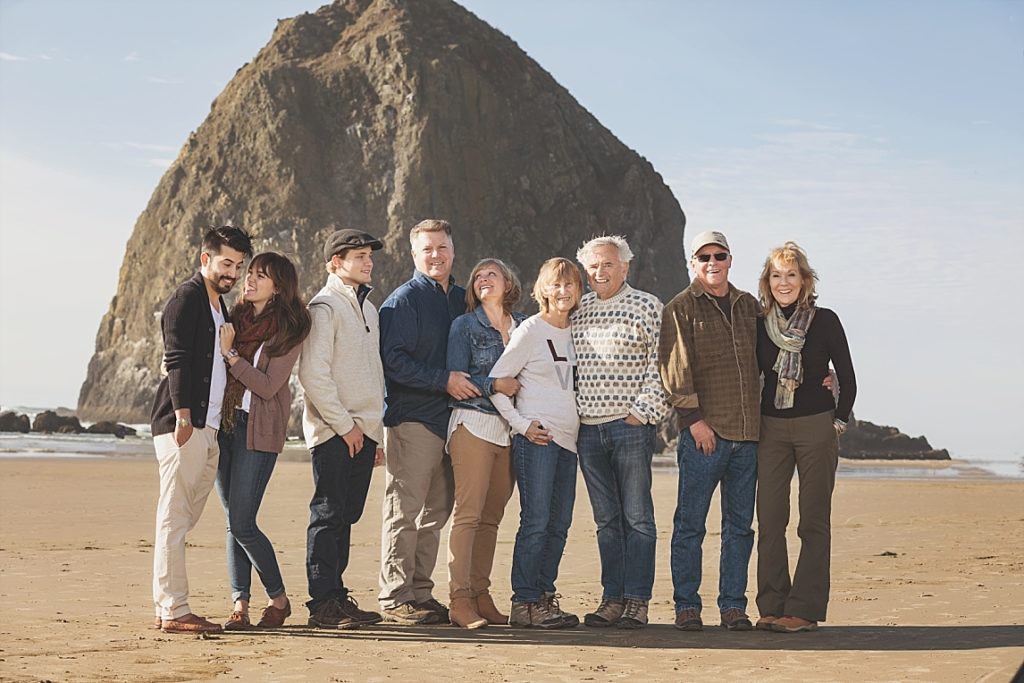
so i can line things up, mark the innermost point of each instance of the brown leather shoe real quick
(765, 622)
(788, 624)
(273, 617)
(190, 623)
(238, 621)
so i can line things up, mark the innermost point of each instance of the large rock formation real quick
(867, 441)
(377, 114)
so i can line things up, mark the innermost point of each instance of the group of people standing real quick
(463, 399)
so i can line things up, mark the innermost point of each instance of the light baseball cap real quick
(708, 237)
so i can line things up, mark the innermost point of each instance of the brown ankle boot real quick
(462, 612)
(486, 608)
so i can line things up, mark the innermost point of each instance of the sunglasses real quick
(719, 256)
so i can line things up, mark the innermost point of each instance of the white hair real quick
(617, 241)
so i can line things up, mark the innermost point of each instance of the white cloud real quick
(132, 57)
(164, 81)
(8, 57)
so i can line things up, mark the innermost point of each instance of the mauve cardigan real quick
(271, 402)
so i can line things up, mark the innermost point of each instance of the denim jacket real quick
(474, 346)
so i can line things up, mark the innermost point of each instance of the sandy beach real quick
(927, 584)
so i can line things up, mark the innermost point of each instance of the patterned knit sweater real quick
(616, 342)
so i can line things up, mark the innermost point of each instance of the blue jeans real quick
(341, 483)
(242, 477)
(546, 476)
(615, 458)
(734, 464)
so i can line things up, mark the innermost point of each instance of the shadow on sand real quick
(661, 636)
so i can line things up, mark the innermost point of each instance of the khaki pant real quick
(187, 474)
(811, 445)
(418, 492)
(483, 484)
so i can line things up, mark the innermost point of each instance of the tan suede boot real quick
(462, 612)
(486, 608)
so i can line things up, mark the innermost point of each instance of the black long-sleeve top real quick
(825, 342)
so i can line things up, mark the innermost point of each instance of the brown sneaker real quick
(689, 620)
(190, 623)
(329, 614)
(789, 624)
(634, 615)
(438, 609)
(765, 623)
(273, 617)
(410, 615)
(606, 614)
(238, 621)
(736, 619)
(360, 616)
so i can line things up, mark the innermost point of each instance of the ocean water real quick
(34, 445)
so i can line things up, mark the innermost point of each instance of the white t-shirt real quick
(219, 378)
(247, 396)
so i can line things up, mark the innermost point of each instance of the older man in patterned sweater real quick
(620, 400)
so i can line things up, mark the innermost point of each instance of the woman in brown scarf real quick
(260, 348)
(801, 422)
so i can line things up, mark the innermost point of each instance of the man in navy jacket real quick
(186, 417)
(419, 491)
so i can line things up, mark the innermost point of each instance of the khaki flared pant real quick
(483, 485)
(811, 446)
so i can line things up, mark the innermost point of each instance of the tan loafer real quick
(190, 623)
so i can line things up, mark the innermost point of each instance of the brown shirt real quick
(710, 363)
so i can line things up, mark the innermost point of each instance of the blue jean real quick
(734, 464)
(242, 477)
(546, 476)
(341, 483)
(615, 458)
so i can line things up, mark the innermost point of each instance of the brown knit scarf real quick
(250, 332)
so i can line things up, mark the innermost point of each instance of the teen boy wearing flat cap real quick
(343, 421)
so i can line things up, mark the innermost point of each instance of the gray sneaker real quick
(533, 615)
(606, 614)
(634, 615)
(568, 620)
(409, 614)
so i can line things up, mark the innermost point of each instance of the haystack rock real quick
(377, 114)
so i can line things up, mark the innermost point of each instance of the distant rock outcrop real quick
(114, 428)
(867, 441)
(50, 421)
(11, 421)
(377, 114)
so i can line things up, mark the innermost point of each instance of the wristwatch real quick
(232, 353)
(183, 422)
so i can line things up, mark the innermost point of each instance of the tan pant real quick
(811, 445)
(418, 493)
(483, 484)
(187, 474)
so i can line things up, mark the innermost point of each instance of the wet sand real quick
(928, 580)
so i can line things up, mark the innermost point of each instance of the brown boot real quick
(463, 613)
(486, 608)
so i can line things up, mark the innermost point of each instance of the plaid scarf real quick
(250, 333)
(789, 336)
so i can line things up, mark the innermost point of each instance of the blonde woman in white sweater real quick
(544, 423)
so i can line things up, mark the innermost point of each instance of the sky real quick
(886, 137)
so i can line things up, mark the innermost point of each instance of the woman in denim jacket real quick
(478, 441)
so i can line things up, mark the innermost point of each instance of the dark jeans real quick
(242, 477)
(341, 483)
(546, 476)
(734, 465)
(615, 458)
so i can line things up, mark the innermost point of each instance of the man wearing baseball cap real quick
(343, 421)
(709, 368)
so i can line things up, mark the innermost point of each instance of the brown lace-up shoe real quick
(329, 614)
(736, 619)
(273, 617)
(409, 614)
(238, 621)
(360, 616)
(437, 608)
(689, 620)
(190, 623)
(606, 614)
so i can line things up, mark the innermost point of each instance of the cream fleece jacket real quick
(340, 368)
